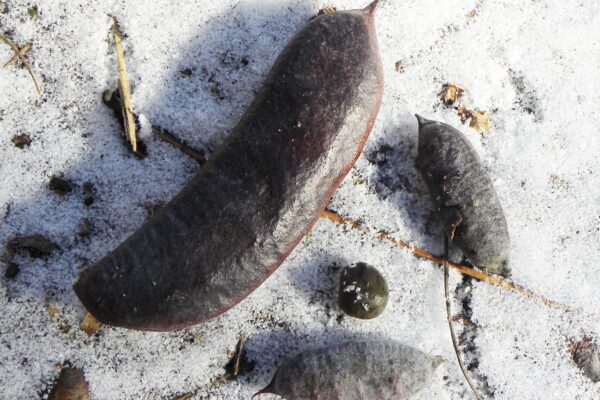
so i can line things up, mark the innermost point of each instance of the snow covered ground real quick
(194, 66)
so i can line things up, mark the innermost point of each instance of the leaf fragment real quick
(33, 12)
(451, 93)
(480, 121)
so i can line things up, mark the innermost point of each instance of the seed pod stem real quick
(464, 371)
(477, 274)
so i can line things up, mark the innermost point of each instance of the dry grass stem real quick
(22, 51)
(477, 274)
(124, 88)
(24, 60)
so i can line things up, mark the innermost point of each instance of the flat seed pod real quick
(238, 219)
(363, 291)
(359, 370)
(464, 196)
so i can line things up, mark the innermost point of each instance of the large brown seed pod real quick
(360, 370)
(254, 200)
(464, 196)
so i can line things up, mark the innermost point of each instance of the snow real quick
(534, 66)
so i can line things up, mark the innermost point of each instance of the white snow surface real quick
(533, 65)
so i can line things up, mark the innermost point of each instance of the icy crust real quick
(533, 66)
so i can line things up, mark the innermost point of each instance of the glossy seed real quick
(363, 291)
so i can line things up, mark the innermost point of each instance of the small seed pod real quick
(363, 291)
(359, 370)
(464, 196)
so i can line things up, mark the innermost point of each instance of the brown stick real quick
(24, 61)
(173, 141)
(479, 275)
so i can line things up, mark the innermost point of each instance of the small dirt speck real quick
(85, 228)
(21, 141)
(60, 186)
(11, 271)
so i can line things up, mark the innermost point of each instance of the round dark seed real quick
(363, 291)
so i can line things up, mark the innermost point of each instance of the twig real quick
(22, 51)
(452, 333)
(173, 141)
(479, 275)
(24, 61)
(124, 88)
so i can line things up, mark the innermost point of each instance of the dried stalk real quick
(452, 333)
(173, 141)
(24, 61)
(479, 275)
(124, 88)
(22, 51)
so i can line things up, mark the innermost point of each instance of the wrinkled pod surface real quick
(359, 370)
(464, 196)
(261, 192)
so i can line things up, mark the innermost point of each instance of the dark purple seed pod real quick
(464, 196)
(254, 200)
(360, 370)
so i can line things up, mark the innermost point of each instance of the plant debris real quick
(238, 362)
(418, 252)
(186, 73)
(70, 385)
(88, 193)
(57, 317)
(21, 141)
(22, 51)
(325, 10)
(89, 324)
(24, 60)
(172, 140)
(113, 100)
(85, 228)
(399, 67)
(586, 356)
(124, 89)
(480, 120)
(461, 365)
(37, 246)
(33, 12)
(60, 186)
(11, 270)
(451, 93)
(185, 396)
